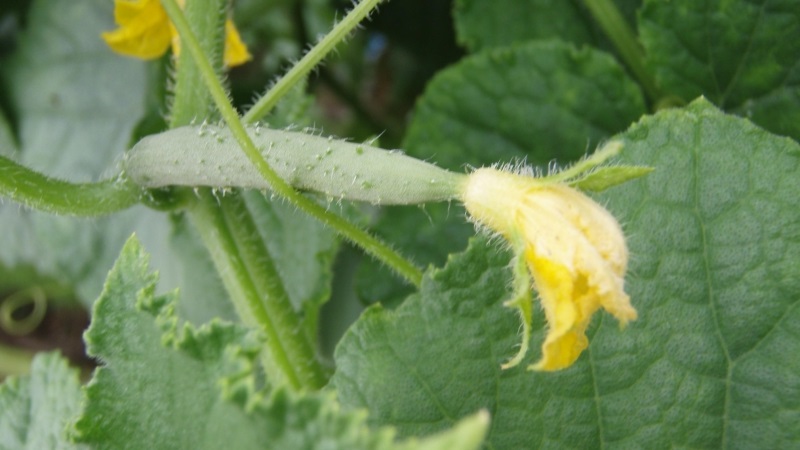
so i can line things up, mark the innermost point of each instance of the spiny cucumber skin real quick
(208, 155)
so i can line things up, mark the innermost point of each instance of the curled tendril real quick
(23, 311)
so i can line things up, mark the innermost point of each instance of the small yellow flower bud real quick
(574, 249)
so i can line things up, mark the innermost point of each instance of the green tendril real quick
(23, 312)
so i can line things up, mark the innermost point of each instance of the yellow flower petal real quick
(145, 32)
(235, 51)
(574, 249)
(143, 29)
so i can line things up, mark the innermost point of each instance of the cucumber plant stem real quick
(244, 264)
(369, 243)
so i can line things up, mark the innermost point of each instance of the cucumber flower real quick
(573, 249)
(146, 32)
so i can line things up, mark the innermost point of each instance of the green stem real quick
(255, 288)
(623, 37)
(310, 60)
(38, 191)
(358, 236)
(192, 100)
(243, 263)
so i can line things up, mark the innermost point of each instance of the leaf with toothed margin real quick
(35, 409)
(167, 384)
(714, 234)
(159, 383)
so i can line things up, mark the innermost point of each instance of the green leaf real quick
(315, 421)
(537, 101)
(714, 234)
(428, 233)
(740, 54)
(147, 395)
(483, 24)
(35, 410)
(167, 385)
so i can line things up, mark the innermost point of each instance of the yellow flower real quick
(574, 250)
(145, 32)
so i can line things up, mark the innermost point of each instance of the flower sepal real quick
(521, 301)
(567, 247)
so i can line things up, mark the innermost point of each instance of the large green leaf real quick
(36, 409)
(714, 234)
(482, 23)
(168, 385)
(147, 395)
(743, 55)
(537, 101)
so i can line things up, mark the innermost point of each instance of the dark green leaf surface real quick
(166, 385)
(481, 24)
(744, 55)
(427, 234)
(714, 234)
(537, 101)
(36, 409)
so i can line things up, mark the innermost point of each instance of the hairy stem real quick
(617, 29)
(226, 226)
(256, 289)
(41, 192)
(310, 60)
(369, 243)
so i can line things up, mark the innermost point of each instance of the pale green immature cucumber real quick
(208, 155)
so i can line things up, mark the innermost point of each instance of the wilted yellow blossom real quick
(145, 32)
(574, 249)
